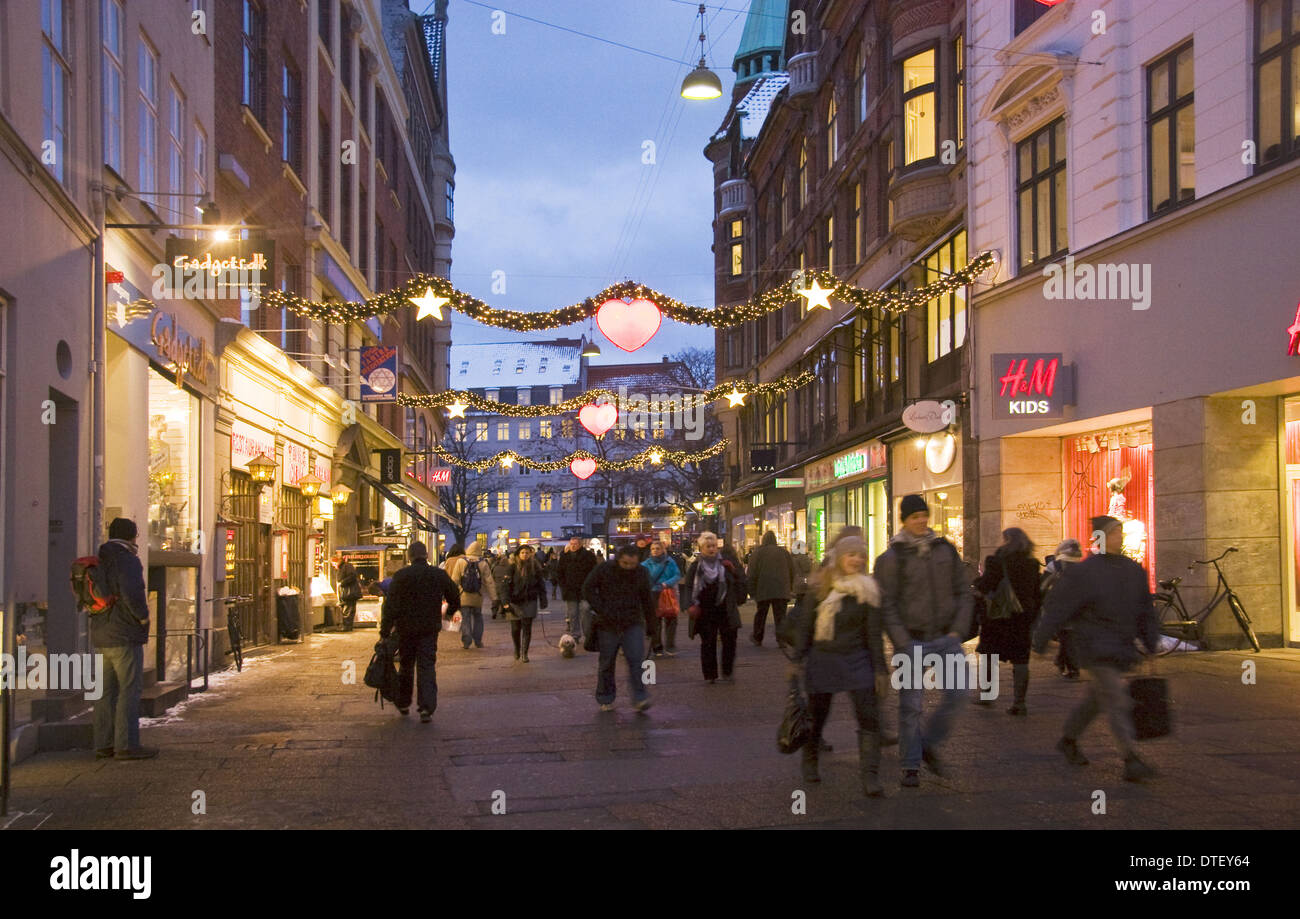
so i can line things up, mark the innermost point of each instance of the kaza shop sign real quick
(1040, 385)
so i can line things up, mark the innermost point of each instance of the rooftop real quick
(494, 365)
(648, 379)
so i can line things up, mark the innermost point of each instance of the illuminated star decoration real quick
(456, 409)
(506, 462)
(735, 397)
(429, 304)
(816, 295)
(656, 457)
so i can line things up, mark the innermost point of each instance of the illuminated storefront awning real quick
(402, 504)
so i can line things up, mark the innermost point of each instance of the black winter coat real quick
(619, 599)
(1106, 601)
(771, 573)
(571, 571)
(1009, 638)
(121, 575)
(737, 590)
(524, 586)
(414, 602)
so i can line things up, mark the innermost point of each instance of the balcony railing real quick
(803, 76)
(736, 196)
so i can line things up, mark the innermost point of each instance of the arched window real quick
(422, 443)
(832, 135)
(803, 173)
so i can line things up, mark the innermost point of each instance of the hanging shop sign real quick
(216, 270)
(378, 374)
(296, 459)
(247, 442)
(928, 416)
(390, 467)
(758, 500)
(439, 476)
(180, 350)
(868, 459)
(1040, 385)
(788, 483)
(762, 460)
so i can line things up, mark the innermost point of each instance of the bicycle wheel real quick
(1172, 624)
(1239, 613)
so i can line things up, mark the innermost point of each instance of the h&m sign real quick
(1031, 384)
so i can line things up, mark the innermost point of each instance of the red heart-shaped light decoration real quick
(582, 468)
(598, 418)
(629, 325)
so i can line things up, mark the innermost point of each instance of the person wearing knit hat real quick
(838, 636)
(926, 607)
(1005, 633)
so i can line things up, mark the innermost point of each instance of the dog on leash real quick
(567, 645)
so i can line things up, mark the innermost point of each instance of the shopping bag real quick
(452, 624)
(796, 727)
(668, 608)
(1151, 716)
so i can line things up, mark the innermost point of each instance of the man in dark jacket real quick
(771, 581)
(1106, 601)
(571, 570)
(926, 605)
(414, 608)
(119, 635)
(500, 571)
(619, 594)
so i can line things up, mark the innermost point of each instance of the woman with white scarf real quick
(839, 637)
(716, 586)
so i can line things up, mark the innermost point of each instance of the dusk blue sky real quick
(547, 130)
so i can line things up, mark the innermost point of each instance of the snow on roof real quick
(754, 107)
(647, 379)
(496, 365)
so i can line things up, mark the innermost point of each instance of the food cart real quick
(374, 563)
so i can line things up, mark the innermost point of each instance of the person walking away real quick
(643, 547)
(618, 592)
(1106, 600)
(802, 569)
(664, 575)
(771, 580)
(716, 587)
(571, 569)
(500, 571)
(472, 576)
(525, 593)
(119, 634)
(413, 608)
(1008, 638)
(1067, 553)
(839, 639)
(926, 607)
(349, 593)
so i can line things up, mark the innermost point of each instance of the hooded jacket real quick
(121, 575)
(1105, 601)
(456, 569)
(771, 571)
(925, 589)
(663, 571)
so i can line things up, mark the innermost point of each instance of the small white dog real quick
(567, 645)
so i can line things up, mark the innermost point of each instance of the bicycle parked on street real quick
(232, 628)
(1177, 623)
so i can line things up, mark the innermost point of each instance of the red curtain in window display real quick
(1293, 458)
(1119, 482)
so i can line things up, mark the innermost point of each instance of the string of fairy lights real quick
(654, 455)
(456, 401)
(430, 294)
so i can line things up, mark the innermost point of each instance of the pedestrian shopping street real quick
(286, 744)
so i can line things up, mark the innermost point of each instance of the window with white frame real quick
(56, 80)
(525, 430)
(557, 395)
(176, 148)
(480, 430)
(525, 501)
(523, 396)
(946, 314)
(503, 430)
(483, 501)
(566, 501)
(199, 163)
(147, 175)
(544, 429)
(114, 82)
(503, 502)
(832, 134)
(545, 501)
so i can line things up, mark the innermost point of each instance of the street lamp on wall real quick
(262, 468)
(341, 493)
(310, 485)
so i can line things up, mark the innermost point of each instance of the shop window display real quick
(173, 466)
(1111, 472)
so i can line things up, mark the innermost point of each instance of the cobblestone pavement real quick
(287, 744)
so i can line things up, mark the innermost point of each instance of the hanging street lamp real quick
(701, 83)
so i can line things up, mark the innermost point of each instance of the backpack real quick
(381, 674)
(88, 588)
(471, 579)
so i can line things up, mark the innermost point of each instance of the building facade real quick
(1107, 163)
(844, 150)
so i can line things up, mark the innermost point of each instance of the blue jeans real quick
(117, 711)
(911, 737)
(632, 641)
(574, 614)
(471, 625)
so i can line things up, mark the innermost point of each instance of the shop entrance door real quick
(1292, 627)
(252, 561)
